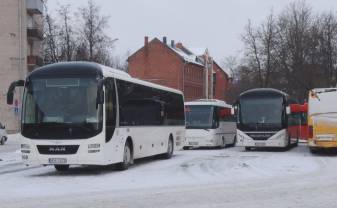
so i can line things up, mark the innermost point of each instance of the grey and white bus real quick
(209, 123)
(81, 113)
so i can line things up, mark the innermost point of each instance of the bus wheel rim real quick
(170, 146)
(127, 155)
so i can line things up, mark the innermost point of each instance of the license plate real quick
(193, 143)
(57, 160)
(260, 144)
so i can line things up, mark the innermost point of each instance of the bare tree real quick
(294, 51)
(260, 49)
(93, 33)
(50, 40)
(66, 34)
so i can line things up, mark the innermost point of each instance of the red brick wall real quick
(157, 64)
(193, 82)
(221, 83)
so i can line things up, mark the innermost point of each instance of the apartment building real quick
(21, 36)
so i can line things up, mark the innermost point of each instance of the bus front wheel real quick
(61, 168)
(3, 140)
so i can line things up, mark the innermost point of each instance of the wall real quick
(12, 65)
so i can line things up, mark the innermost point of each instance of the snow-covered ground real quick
(228, 177)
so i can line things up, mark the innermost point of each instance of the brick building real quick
(21, 37)
(176, 66)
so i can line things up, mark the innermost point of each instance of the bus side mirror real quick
(232, 111)
(288, 111)
(10, 92)
(100, 92)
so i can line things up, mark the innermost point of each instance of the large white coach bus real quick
(88, 114)
(265, 119)
(209, 123)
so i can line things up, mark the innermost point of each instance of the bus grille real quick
(260, 136)
(57, 149)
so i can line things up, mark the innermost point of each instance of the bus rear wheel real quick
(170, 148)
(61, 168)
(248, 148)
(127, 157)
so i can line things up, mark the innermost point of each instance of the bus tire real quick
(248, 148)
(127, 157)
(3, 140)
(61, 168)
(296, 143)
(234, 141)
(170, 148)
(313, 150)
(223, 145)
(186, 148)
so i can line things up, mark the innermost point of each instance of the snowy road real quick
(229, 177)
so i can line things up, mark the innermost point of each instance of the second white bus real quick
(209, 123)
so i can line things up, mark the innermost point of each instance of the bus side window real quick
(110, 109)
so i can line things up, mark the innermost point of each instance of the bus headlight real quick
(93, 146)
(25, 146)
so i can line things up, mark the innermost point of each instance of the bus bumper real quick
(88, 153)
(322, 144)
(279, 139)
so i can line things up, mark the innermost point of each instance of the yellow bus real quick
(322, 119)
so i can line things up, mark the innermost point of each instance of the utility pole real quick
(211, 80)
(206, 74)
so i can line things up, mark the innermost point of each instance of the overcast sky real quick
(216, 24)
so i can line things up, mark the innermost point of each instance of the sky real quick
(213, 24)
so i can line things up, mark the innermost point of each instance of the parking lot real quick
(229, 177)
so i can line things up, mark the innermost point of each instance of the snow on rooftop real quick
(189, 58)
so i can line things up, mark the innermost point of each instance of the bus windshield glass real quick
(261, 111)
(61, 108)
(199, 117)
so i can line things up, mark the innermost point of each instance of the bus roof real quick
(79, 67)
(209, 102)
(266, 91)
(323, 100)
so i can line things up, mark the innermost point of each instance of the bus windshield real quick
(261, 111)
(61, 108)
(200, 117)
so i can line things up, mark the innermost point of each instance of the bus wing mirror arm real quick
(10, 92)
(100, 92)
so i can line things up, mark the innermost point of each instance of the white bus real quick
(209, 123)
(265, 119)
(88, 114)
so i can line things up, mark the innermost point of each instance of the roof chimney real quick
(146, 41)
(172, 44)
(164, 40)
